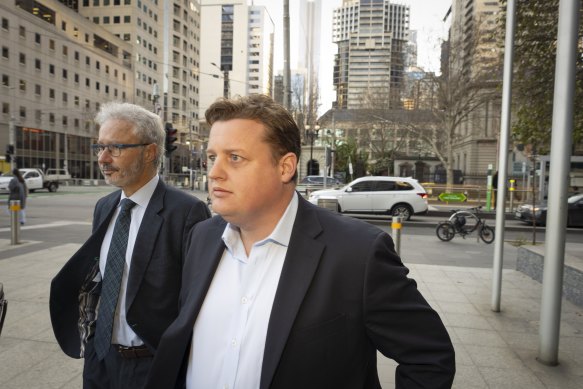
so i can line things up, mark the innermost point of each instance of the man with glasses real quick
(114, 298)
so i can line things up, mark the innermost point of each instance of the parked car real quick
(35, 180)
(396, 196)
(310, 183)
(574, 212)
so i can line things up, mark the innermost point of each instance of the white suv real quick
(396, 196)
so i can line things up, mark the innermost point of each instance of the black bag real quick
(3, 305)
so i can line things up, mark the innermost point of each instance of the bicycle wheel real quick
(445, 231)
(487, 234)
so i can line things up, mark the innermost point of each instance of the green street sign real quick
(451, 197)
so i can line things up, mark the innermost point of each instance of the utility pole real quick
(286, 57)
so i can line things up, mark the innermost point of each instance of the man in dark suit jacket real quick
(278, 293)
(129, 149)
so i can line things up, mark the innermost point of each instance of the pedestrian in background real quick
(279, 293)
(18, 191)
(132, 262)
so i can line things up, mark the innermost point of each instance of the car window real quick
(363, 186)
(31, 175)
(382, 186)
(401, 185)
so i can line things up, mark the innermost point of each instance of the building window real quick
(22, 112)
(76, 56)
(76, 101)
(87, 61)
(5, 24)
(37, 38)
(5, 106)
(22, 59)
(106, 20)
(52, 118)
(127, 19)
(63, 25)
(87, 83)
(65, 74)
(22, 86)
(52, 44)
(37, 64)
(5, 80)
(52, 69)
(65, 120)
(65, 97)
(116, 20)
(76, 78)
(5, 52)
(96, 19)
(51, 94)
(37, 89)
(22, 31)
(97, 85)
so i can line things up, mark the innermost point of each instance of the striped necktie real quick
(112, 278)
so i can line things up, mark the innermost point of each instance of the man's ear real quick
(288, 165)
(150, 152)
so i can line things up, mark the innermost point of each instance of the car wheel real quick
(402, 210)
(53, 187)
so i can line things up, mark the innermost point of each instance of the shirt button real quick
(234, 342)
(244, 300)
(225, 386)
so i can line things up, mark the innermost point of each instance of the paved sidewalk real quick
(494, 350)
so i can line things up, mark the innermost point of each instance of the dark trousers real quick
(114, 372)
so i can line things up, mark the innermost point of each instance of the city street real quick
(63, 217)
(493, 349)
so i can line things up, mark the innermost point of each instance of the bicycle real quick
(464, 222)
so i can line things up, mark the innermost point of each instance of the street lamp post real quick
(226, 83)
(312, 134)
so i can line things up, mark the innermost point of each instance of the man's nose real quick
(104, 156)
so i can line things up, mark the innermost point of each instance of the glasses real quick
(115, 149)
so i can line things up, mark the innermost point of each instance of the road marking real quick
(60, 223)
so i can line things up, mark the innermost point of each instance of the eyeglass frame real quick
(98, 148)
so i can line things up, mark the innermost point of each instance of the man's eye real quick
(211, 158)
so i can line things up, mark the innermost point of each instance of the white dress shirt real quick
(122, 333)
(229, 334)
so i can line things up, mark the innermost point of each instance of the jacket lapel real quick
(145, 242)
(301, 261)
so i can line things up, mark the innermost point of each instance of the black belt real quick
(133, 352)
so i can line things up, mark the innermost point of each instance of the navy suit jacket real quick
(343, 294)
(155, 271)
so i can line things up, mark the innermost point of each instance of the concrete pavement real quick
(494, 350)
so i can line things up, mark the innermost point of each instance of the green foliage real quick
(349, 152)
(534, 72)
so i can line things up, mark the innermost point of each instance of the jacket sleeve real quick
(401, 323)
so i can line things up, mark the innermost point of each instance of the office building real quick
(57, 68)
(369, 66)
(237, 55)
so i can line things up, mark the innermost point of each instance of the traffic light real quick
(170, 139)
(9, 153)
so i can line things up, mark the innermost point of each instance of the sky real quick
(426, 16)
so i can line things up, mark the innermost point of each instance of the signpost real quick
(452, 197)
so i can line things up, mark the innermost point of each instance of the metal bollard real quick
(396, 226)
(14, 222)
